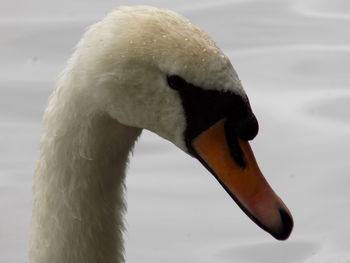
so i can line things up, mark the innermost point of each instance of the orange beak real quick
(245, 183)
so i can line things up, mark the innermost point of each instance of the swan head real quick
(153, 69)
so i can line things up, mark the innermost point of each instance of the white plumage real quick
(113, 86)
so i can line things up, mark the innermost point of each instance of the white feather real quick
(114, 85)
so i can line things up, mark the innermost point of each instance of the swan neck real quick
(78, 188)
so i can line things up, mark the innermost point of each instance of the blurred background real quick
(293, 57)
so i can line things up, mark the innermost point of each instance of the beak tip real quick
(287, 225)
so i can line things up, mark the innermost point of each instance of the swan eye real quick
(176, 82)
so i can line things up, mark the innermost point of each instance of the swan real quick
(139, 68)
